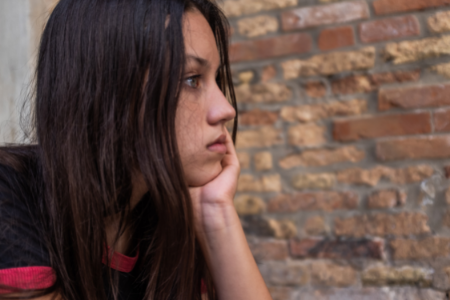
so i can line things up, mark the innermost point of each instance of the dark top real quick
(24, 259)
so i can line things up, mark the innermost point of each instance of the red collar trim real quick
(120, 262)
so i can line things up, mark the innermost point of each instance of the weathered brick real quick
(236, 8)
(264, 137)
(331, 274)
(383, 7)
(249, 205)
(439, 22)
(312, 16)
(244, 160)
(371, 293)
(323, 157)
(370, 127)
(379, 79)
(337, 249)
(310, 113)
(415, 293)
(447, 172)
(258, 117)
(434, 95)
(267, 227)
(315, 89)
(268, 249)
(257, 26)
(353, 293)
(389, 29)
(382, 224)
(281, 292)
(441, 278)
(315, 226)
(296, 43)
(446, 219)
(442, 69)
(430, 247)
(285, 273)
(414, 148)
(371, 177)
(322, 181)
(386, 199)
(333, 38)
(381, 275)
(442, 120)
(263, 161)
(368, 83)
(283, 229)
(306, 135)
(330, 63)
(263, 93)
(246, 76)
(268, 73)
(268, 183)
(409, 51)
(322, 201)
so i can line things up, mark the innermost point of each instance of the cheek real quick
(189, 131)
(200, 165)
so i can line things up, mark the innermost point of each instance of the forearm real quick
(232, 265)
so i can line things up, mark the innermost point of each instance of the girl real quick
(127, 189)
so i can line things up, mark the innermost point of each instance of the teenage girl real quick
(126, 191)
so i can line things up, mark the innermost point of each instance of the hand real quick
(214, 198)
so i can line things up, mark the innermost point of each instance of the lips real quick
(218, 145)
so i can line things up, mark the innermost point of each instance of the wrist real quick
(219, 218)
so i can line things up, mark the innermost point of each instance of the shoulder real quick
(24, 258)
(18, 187)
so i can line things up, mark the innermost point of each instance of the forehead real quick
(198, 37)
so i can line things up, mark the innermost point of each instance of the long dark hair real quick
(97, 121)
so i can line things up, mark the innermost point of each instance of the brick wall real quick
(344, 138)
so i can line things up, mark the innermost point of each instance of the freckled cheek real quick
(190, 134)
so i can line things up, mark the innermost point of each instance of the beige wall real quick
(21, 24)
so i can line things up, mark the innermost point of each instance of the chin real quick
(202, 177)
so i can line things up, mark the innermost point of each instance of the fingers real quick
(231, 156)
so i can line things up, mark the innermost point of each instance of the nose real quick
(220, 110)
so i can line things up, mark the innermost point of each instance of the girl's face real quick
(203, 110)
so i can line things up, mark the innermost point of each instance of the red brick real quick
(333, 38)
(447, 171)
(325, 201)
(315, 89)
(383, 7)
(268, 73)
(327, 274)
(430, 247)
(414, 97)
(336, 249)
(414, 148)
(268, 249)
(405, 223)
(368, 83)
(386, 199)
(442, 120)
(271, 47)
(389, 29)
(281, 292)
(313, 16)
(258, 117)
(381, 126)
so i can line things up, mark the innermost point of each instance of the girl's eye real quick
(193, 82)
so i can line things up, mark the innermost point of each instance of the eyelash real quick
(197, 77)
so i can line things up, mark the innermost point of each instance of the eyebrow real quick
(201, 61)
